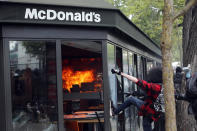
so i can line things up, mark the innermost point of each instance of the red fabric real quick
(152, 90)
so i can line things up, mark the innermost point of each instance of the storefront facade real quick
(55, 66)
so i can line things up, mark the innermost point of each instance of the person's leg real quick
(147, 124)
(130, 101)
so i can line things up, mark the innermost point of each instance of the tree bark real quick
(170, 115)
(185, 122)
(187, 22)
(189, 35)
(166, 45)
(194, 63)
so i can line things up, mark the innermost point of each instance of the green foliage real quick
(146, 14)
(177, 45)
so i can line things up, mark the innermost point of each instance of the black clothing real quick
(178, 79)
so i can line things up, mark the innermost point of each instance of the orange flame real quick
(71, 78)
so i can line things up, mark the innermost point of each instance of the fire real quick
(71, 77)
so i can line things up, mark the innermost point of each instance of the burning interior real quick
(81, 75)
(82, 85)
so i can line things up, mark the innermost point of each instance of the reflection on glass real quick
(119, 81)
(127, 114)
(133, 71)
(158, 64)
(140, 67)
(120, 87)
(150, 64)
(82, 77)
(33, 82)
(144, 67)
(137, 74)
(112, 81)
(125, 70)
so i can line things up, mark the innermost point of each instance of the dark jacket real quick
(178, 77)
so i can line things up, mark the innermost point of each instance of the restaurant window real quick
(119, 81)
(141, 67)
(127, 112)
(138, 72)
(132, 87)
(135, 70)
(144, 67)
(112, 83)
(82, 76)
(150, 64)
(120, 89)
(33, 85)
(158, 64)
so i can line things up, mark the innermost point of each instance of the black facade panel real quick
(74, 16)
(39, 14)
(0, 30)
(136, 34)
(59, 85)
(2, 90)
(52, 32)
(78, 3)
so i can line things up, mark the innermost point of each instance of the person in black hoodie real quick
(178, 79)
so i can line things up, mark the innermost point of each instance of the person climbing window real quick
(152, 87)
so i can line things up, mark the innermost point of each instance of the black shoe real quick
(113, 111)
(112, 108)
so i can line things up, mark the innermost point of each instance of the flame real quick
(71, 77)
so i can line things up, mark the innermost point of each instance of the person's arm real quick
(132, 78)
(153, 87)
(181, 97)
(141, 83)
(129, 77)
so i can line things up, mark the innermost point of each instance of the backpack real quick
(159, 103)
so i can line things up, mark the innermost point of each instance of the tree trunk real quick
(189, 35)
(187, 21)
(170, 116)
(185, 122)
(194, 63)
